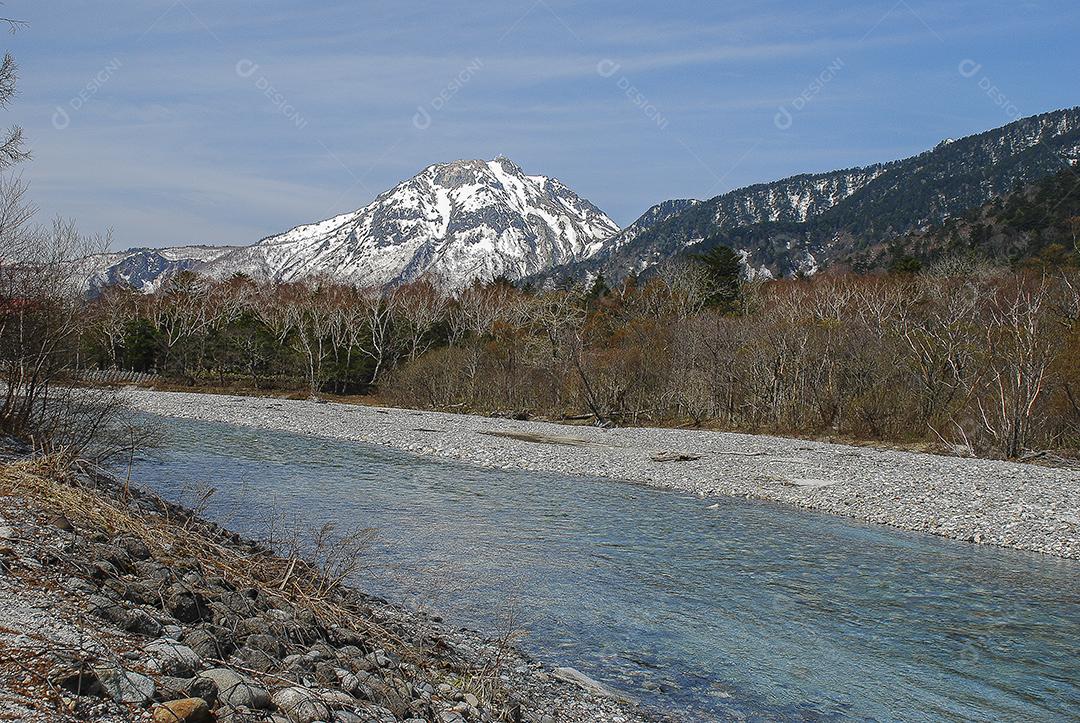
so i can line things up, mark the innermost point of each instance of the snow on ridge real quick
(459, 221)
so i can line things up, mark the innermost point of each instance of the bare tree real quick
(1019, 355)
(420, 307)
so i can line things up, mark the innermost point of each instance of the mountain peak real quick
(508, 165)
(458, 221)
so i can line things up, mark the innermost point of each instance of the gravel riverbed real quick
(981, 501)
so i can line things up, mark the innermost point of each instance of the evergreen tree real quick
(725, 272)
(598, 289)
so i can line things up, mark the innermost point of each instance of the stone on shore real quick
(301, 705)
(187, 710)
(125, 686)
(237, 690)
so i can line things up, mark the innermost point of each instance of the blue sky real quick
(176, 121)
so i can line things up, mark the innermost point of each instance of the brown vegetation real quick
(973, 357)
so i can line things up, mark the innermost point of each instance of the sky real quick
(203, 121)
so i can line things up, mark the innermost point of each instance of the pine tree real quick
(725, 272)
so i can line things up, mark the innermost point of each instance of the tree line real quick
(977, 357)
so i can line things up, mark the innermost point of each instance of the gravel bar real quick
(989, 502)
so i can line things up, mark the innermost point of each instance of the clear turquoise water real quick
(748, 611)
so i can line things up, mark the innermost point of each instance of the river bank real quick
(980, 501)
(121, 607)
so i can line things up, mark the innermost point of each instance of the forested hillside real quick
(810, 222)
(1035, 226)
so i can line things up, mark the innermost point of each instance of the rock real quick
(266, 643)
(254, 659)
(170, 688)
(77, 584)
(78, 680)
(344, 716)
(239, 604)
(450, 716)
(570, 675)
(208, 645)
(381, 659)
(152, 572)
(104, 570)
(243, 714)
(141, 593)
(348, 681)
(62, 523)
(182, 603)
(173, 658)
(380, 692)
(236, 690)
(301, 705)
(124, 686)
(186, 710)
(337, 699)
(139, 621)
(326, 673)
(325, 651)
(135, 548)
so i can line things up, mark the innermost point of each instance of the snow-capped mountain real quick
(144, 269)
(454, 221)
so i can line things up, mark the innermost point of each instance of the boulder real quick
(182, 603)
(344, 716)
(186, 710)
(266, 643)
(134, 548)
(173, 658)
(139, 621)
(235, 689)
(301, 705)
(338, 700)
(124, 686)
(378, 691)
(207, 644)
(153, 573)
(254, 659)
(572, 675)
(450, 716)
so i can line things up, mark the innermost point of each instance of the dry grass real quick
(173, 534)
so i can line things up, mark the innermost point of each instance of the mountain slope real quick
(1038, 224)
(804, 222)
(456, 221)
(143, 269)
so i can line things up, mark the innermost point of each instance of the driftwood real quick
(675, 457)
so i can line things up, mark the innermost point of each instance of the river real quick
(716, 609)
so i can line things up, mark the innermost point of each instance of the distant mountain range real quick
(804, 223)
(144, 269)
(474, 219)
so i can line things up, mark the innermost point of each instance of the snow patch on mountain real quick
(456, 222)
(145, 269)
